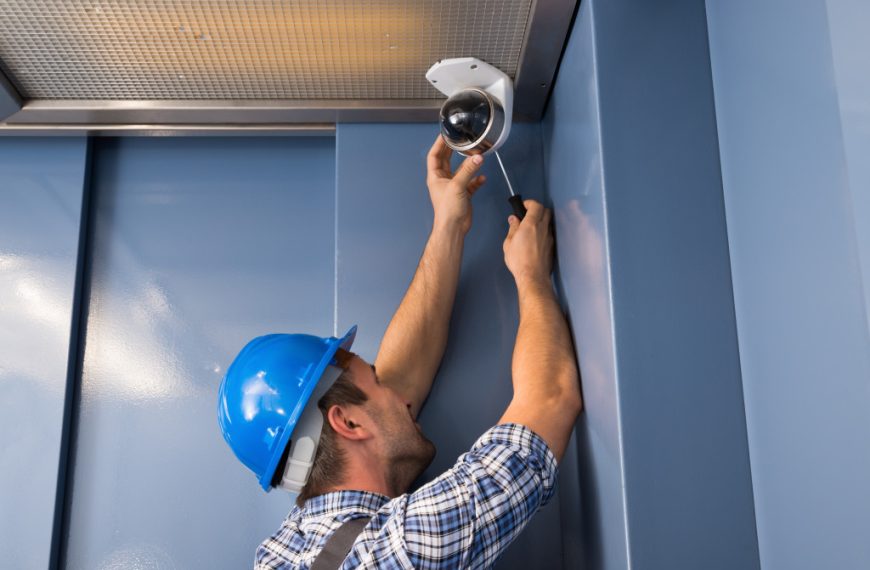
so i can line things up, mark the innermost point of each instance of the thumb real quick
(514, 223)
(467, 170)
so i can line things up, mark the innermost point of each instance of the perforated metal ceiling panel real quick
(268, 49)
(270, 66)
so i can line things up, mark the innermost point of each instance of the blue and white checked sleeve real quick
(469, 515)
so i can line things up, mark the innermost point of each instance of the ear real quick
(345, 421)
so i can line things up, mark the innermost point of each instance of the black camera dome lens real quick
(464, 117)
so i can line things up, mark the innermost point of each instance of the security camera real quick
(476, 118)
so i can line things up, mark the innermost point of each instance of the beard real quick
(407, 451)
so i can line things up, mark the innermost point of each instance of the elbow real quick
(573, 403)
(577, 404)
(572, 400)
(562, 398)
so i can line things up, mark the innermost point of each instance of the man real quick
(356, 449)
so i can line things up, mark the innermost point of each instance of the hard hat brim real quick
(345, 342)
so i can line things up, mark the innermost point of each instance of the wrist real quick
(450, 227)
(534, 284)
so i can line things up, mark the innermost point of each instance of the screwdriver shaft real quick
(503, 171)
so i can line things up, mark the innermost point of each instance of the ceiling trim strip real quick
(545, 39)
(229, 112)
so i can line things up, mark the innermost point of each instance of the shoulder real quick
(283, 547)
(508, 456)
(469, 514)
(305, 532)
(293, 544)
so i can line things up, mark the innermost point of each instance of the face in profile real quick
(401, 442)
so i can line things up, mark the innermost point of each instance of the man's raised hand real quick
(451, 192)
(528, 247)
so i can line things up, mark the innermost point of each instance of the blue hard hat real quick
(265, 391)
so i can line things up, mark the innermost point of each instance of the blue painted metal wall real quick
(197, 246)
(41, 182)
(384, 218)
(798, 237)
(596, 536)
(634, 174)
(687, 478)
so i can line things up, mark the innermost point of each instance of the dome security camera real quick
(476, 118)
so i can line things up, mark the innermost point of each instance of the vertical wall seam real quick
(731, 273)
(573, 454)
(609, 277)
(75, 358)
(849, 191)
(335, 239)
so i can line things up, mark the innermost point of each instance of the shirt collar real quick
(332, 503)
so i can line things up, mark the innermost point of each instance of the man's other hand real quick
(528, 247)
(451, 193)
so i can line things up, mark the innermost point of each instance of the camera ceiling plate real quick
(451, 75)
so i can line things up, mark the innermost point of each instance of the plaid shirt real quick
(463, 519)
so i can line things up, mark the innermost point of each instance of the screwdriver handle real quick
(516, 202)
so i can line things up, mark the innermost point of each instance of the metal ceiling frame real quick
(548, 28)
(162, 130)
(226, 112)
(10, 100)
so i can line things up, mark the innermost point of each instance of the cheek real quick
(379, 417)
(387, 419)
(388, 413)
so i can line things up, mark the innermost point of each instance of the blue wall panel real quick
(198, 246)
(41, 182)
(575, 183)
(384, 218)
(688, 493)
(796, 258)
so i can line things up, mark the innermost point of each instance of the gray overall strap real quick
(339, 544)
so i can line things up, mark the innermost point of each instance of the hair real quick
(329, 460)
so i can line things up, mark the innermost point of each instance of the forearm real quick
(415, 339)
(546, 382)
(543, 366)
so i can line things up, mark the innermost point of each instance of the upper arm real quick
(553, 427)
(405, 385)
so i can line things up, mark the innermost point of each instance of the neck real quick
(364, 472)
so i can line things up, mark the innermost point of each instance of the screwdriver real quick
(516, 201)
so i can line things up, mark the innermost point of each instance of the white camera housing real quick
(471, 77)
